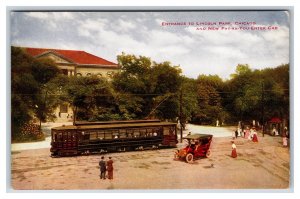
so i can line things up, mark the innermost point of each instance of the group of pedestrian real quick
(106, 166)
(246, 133)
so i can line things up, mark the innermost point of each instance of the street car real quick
(198, 145)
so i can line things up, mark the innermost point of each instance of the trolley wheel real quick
(189, 158)
(208, 153)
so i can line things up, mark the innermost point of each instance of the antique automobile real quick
(198, 145)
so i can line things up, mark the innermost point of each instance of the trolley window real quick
(122, 133)
(166, 130)
(129, 133)
(115, 134)
(108, 135)
(101, 135)
(65, 136)
(143, 132)
(59, 137)
(136, 133)
(85, 135)
(156, 132)
(69, 135)
(93, 135)
(74, 137)
(149, 132)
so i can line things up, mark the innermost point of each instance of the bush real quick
(28, 133)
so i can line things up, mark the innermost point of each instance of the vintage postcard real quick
(150, 100)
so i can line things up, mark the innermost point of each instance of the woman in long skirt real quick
(110, 168)
(233, 152)
(285, 137)
(254, 137)
(247, 133)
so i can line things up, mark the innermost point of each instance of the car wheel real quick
(208, 153)
(189, 158)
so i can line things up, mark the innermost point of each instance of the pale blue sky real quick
(107, 34)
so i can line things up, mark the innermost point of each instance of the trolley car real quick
(97, 137)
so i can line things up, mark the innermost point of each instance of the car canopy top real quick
(198, 136)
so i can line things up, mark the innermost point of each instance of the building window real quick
(88, 74)
(78, 74)
(63, 108)
(65, 71)
(99, 75)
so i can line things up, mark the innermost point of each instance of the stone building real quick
(74, 62)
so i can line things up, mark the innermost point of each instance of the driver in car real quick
(193, 144)
(198, 144)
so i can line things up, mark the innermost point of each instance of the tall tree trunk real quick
(74, 114)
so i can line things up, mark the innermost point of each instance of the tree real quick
(133, 85)
(209, 100)
(276, 90)
(148, 89)
(166, 81)
(29, 78)
(43, 71)
(251, 93)
(187, 96)
(91, 98)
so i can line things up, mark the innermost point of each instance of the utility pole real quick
(263, 108)
(180, 115)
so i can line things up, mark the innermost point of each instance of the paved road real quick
(263, 165)
(215, 131)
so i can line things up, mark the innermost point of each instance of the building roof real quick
(75, 56)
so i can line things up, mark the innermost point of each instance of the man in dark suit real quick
(102, 165)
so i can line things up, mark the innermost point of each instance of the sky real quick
(200, 42)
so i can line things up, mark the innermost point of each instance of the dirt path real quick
(263, 165)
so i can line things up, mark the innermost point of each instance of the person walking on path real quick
(233, 152)
(236, 134)
(110, 168)
(254, 136)
(285, 137)
(102, 165)
(247, 133)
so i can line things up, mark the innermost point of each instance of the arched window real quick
(88, 74)
(78, 74)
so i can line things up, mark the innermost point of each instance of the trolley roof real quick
(110, 126)
(79, 123)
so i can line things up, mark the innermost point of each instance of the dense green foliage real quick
(254, 94)
(31, 90)
(91, 97)
(146, 89)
